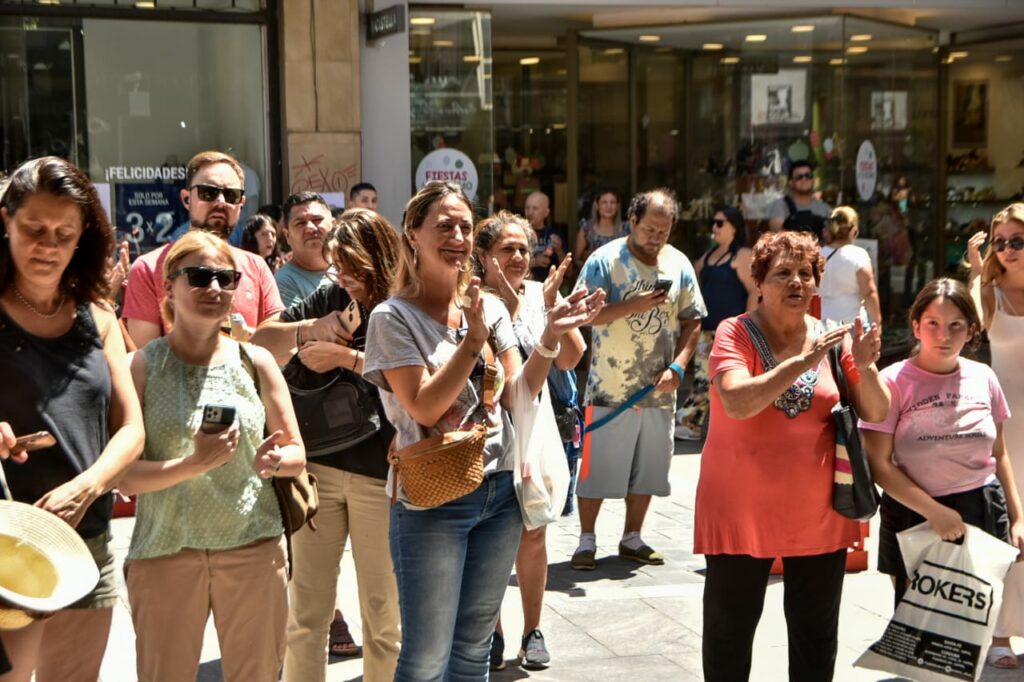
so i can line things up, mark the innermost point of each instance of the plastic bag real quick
(943, 625)
(540, 470)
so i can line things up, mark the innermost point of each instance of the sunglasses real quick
(211, 192)
(804, 176)
(202, 277)
(1016, 244)
(718, 222)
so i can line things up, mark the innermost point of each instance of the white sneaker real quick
(684, 432)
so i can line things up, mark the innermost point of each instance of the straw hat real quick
(44, 564)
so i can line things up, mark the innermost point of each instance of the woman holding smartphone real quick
(208, 528)
(61, 346)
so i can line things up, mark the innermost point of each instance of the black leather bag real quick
(803, 220)
(566, 417)
(335, 410)
(854, 494)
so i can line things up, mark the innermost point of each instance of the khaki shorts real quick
(630, 455)
(104, 595)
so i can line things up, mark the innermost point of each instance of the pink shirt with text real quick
(943, 425)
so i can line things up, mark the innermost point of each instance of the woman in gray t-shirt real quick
(426, 347)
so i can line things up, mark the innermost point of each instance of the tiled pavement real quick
(619, 622)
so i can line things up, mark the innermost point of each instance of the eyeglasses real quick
(231, 195)
(1016, 244)
(804, 176)
(719, 222)
(202, 277)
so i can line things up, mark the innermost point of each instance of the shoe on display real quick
(534, 655)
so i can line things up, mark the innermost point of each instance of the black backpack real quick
(803, 220)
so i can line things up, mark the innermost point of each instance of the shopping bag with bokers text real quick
(943, 625)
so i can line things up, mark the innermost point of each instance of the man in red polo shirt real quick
(214, 195)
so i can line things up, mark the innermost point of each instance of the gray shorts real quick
(629, 455)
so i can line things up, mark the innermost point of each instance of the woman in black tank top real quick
(62, 357)
(728, 290)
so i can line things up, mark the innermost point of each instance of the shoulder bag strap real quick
(791, 205)
(837, 373)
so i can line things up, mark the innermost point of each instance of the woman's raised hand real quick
(473, 309)
(506, 291)
(974, 251)
(866, 346)
(211, 450)
(553, 282)
(578, 310)
(822, 343)
(268, 456)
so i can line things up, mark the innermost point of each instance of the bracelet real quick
(355, 360)
(549, 353)
(679, 371)
(298, 335)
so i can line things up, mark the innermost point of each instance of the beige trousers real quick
(171, 598)
(356, 507)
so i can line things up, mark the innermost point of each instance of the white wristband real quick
(549, 353)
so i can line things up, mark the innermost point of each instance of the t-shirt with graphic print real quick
(943, 425)
(629, 352)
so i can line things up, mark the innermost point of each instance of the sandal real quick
(340, 642)
(1002, 657)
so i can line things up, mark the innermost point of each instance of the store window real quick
(603, 116)
(130, 102)
(530, 113)
(857, 97)
(450, 83)
(985, 140)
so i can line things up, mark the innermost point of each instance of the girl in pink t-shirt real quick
(939, 454)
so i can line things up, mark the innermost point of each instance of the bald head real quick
(537, 210)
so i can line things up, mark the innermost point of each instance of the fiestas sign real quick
(867, 170)
(448, 165)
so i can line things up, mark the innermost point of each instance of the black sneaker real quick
(534, 655)
(497, 651)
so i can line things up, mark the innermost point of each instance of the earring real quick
(415, 257)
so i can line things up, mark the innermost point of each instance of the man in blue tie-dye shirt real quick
(645, 335)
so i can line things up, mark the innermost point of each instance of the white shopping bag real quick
(540, 470)
(943, 625)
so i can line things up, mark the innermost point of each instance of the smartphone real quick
(216, 417)
(663, 285)
(34, 441)
(351, 318)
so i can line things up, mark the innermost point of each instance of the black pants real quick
(734, 598)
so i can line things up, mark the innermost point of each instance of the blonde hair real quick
(991, 268)
(842, 222)
(408, 283)
(192, 242)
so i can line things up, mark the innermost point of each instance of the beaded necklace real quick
(796, 398)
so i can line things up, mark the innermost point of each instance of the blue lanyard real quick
(633, 400)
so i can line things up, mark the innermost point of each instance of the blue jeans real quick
(452, 564)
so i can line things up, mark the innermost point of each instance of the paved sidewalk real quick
(622, 621)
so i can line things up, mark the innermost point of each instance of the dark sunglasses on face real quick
(202, 277)
(1016, 244)
(211, 192)
(803, 176)
(719, 222)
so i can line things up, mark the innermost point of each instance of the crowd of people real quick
(334, 343)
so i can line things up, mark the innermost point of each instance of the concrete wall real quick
(387, 156)
(320, 91)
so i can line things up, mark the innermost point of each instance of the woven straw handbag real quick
(443, 468)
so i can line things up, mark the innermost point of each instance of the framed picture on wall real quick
(779, 98)
(889, 110)
(970, 113)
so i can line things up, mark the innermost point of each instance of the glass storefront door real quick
(717, 112)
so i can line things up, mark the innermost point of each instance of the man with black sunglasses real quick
(799, 210)
(214, 195)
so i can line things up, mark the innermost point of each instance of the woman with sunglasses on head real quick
(847, 289)
(997, 287)
(208, 530)
(729, 290)
(504, 243)
(941, 453)
(329, 330)
(429, 348)
(63, 360)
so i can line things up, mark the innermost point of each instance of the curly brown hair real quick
(800, 246)
(85, 277)
(366, 244)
